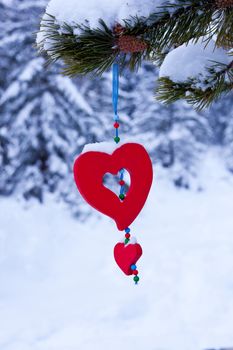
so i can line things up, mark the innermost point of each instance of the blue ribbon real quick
(115, 89)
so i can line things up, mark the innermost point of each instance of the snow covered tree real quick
(221, 126)
(192, 39)
(44, 116)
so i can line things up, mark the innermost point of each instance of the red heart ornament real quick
(127, 255)
(90, 168)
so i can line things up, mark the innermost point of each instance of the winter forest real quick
(59, 286)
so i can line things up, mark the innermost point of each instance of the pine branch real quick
(87, 50)
(94, 50)
(90, 51)
(184, 20)
(198, 92)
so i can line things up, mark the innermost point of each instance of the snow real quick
(60, 288)
(32, 68)
(7, 2)
(10, 92)
(188, 61)
(77, 11)
(70, 90)
(106, 147)
(89, 13)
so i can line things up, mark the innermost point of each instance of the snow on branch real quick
(185, 34)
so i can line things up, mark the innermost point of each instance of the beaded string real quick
(122, 195)
(115, 94)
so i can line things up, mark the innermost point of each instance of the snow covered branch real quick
(130, 32)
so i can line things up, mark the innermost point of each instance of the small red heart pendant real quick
(90, 168)
(126, 256)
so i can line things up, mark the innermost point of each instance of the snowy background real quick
(59, 286)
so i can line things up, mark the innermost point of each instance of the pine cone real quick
(222, 4)
(118, 29)
(131, 44)
(225, 42)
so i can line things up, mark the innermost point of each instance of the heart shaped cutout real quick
(89, 170)
(112, 182)
(126, 256)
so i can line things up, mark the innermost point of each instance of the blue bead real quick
(133, 267)
(122, 191)
(116, 118)
(127, 230)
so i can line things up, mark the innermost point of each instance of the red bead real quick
(135, 272)
(127, 235)
(122, 182)
(116, 125)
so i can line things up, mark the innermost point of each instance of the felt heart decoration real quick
(90, 168)
(126, 256)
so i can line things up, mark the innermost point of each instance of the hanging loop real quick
(115, 89)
